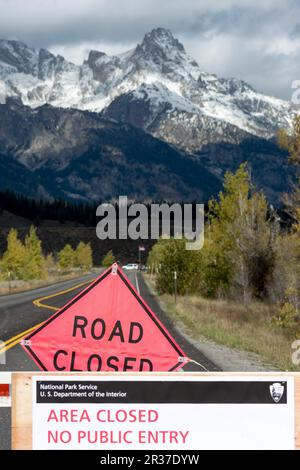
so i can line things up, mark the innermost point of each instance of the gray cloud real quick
(258, 41)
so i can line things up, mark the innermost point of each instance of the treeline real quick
(63, 211)
(247, 255)
(26, 261)
(37, 210)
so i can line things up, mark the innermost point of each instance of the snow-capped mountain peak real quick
(162, 53)
(158, 74)
(160, 39)
(17, 57)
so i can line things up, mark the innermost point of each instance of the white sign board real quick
(163, 412)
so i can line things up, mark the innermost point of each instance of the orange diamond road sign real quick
(107, 327)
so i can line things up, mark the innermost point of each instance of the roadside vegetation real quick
(25, 261)
(243, 288)
(108, 259)
(246, 327)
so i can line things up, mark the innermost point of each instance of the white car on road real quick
(131, 266)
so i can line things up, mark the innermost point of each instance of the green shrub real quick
(186, 263)
(108, 259)
(286, 317)
(66, 258)
(84, 256)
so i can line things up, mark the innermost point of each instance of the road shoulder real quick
(202, 362)
(225, 358)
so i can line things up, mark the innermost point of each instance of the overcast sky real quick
(256, 40)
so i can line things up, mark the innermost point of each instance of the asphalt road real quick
(18, 314)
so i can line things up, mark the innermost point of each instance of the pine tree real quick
(108, 259)
(66, 258)
(12, 263)
(84, 256)
(34, 267)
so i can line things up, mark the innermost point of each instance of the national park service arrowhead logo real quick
(276, 391)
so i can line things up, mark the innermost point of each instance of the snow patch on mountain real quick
(158, 72)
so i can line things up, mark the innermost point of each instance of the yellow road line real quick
(38, 302)
(16, 339)
(10, 343)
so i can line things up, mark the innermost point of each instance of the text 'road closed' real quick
(107, 327)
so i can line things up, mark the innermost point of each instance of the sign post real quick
(141, 250)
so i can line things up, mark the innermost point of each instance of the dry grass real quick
(234, 325)
(23, 286)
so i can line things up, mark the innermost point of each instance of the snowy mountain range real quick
(158, 88)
